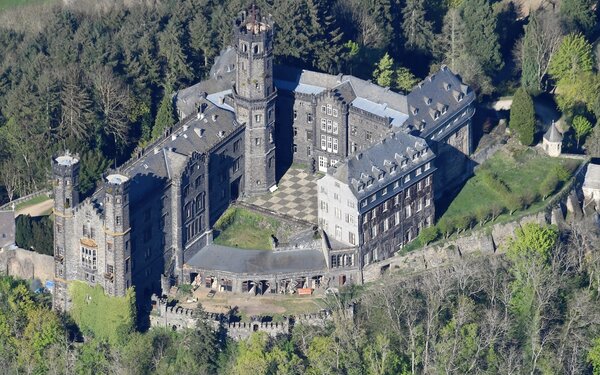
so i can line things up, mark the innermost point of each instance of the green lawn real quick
(32, 201)
(6, 4)
(522, 169)
(245, 229)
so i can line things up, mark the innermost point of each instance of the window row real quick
(329, 126)
(329, 144)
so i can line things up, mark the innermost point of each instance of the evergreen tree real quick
(480, 34)
(384, 71)
(202, 38)
(165, 115)
(418, 31)
(171, 48)
(574, 56)
(578, 15)
(405, 80)
(522, 116)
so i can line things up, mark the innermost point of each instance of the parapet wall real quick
(177, 317)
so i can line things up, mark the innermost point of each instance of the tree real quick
(428, 235)
(384, 72)
(593, 356)
(522, 116)
(574, 56)
(418, 32)
(170, 47)
(582, 128)
(93, 164)
(165, 116)
(481, 39)
(534, 51)
(202, 38)
(405, 80)
(115, 102)
(451, 49)
(592, 143)
(578, 15)
(75, 107)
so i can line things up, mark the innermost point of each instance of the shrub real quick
(446, 227)
(464, 222)
(548, 185)
(428, 235)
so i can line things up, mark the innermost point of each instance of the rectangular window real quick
(258, 119)
(407, 211)
(368, 135)
(295, 114)
(295, 132)
(323, 163)
(329, 109)
(427, 202)
(329, 144)
(323, 125)
(350, 204)
(338, 232)
(427, 166)
(335, 112)
(323, 142)
(407, 178)
(309, 118)
(309, 135)
(397, 217)
(335, 145)
(338, 213)
(335, 127)
(428, 181)
(419, 171)
(351, 238)
(329, 126)
(257, 141)
(386, 224)
(88, 258)
(323, 109)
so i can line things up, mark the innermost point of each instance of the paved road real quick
(37, 209)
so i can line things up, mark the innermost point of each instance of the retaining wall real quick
(26, 264)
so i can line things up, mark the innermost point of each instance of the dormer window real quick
(380, 176)
(369, 183)
(444, 109)
(394, 168)
(244, 47)
(436, 115)
(427, 100)
(256, 49)
(361, 187)
(423, 123)
(461, 96)
(415, 111)
(447, 86)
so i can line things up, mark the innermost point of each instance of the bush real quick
(548, 185)
(35, 233)
(428, 235)
(464, 222)
(446, 227)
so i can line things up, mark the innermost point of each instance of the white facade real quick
(338, 210)
(591, 186)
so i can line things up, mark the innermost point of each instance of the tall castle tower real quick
(65, 173)
(254, 96)
(117, 228)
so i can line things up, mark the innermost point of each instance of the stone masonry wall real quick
(481, 242)
(26, 264)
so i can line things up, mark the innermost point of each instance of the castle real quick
(385, 157)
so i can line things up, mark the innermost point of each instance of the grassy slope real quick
(245, 229)
(94, 312)
(6, 4)
(523, 170)
(32, 201)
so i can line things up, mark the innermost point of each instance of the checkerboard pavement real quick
(296, 196)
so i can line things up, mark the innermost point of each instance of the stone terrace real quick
(296, 196)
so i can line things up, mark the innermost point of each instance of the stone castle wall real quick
(26, 264)
(443, 253)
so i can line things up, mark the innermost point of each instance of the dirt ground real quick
(39, 209)
(248, 305)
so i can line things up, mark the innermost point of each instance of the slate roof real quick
(347, 87)
(7, 228)
(257, 262)
(168, 156)
(386, 161)
(553, 135)
(592, 177)
(436, 99)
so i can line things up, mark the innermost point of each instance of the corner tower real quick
(254, 96)
(65, 178)
(117, 228)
